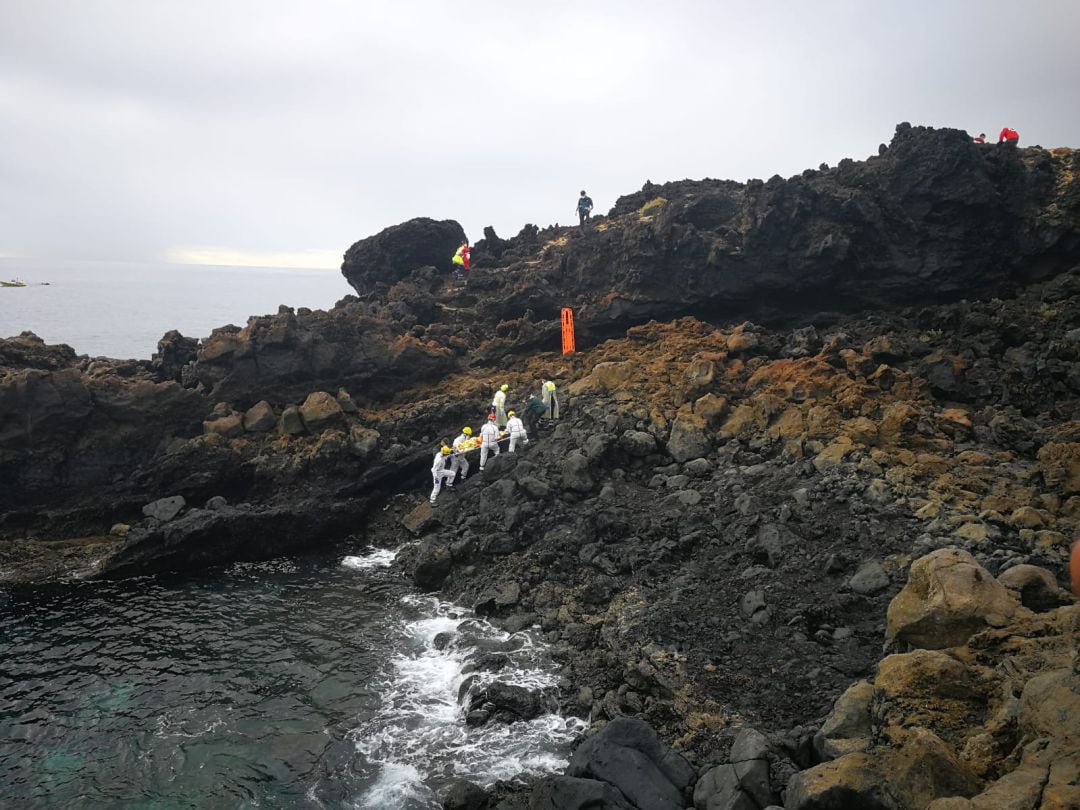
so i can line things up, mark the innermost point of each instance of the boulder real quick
(364, 440)
(612, 376)
(259, 418)
(931, 689)
(749, 763)
(509, 703)
(711, 408)
(230, 426)
(291, 423)
(574, 471)
(1060, 466)
(165, 509)
(948, 598)
(924, 769)
(346, 402)
(869, 578)
(433, 564)
(320, 410)
(637, 443)
(464, 795)
(395, 252)
(688, 439)
(1050, 709)
(569, 793)
(853, 781)
(174, 352)
(534, 487)
(1035, 586)
(627, 755)
(847, 728)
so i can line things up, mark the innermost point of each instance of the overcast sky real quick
(281, 132)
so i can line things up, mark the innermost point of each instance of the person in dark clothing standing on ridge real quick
(584, 208)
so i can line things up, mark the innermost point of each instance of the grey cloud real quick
(130, 128)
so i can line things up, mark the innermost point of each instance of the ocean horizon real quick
(122, 309)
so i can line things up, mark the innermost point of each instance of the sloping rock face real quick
(932, 218)
(282, 357)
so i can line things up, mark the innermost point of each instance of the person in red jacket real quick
(1010, 136)
(981, 138)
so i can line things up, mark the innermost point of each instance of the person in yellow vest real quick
(498, 403)
(551, 402)
(461, 260)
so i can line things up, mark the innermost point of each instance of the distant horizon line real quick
(233, 264)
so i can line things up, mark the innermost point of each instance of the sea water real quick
(121, 310)
(298, 682)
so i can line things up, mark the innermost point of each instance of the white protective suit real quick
(439, 473)
(489, 442)
(499, 403)
(517, 432)
(459, 464)
(547, 394)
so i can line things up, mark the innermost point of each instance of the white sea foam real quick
(418, 735)
(398, 787)
(379, 558)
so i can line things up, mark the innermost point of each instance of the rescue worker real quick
(981, 138)
(1009, 136)
(551, 402)
(461, 260)
(584, 208)
(439, 472)
(498, 402)
(489, 440)
(534, 409)
(517, 430)
(459, 464)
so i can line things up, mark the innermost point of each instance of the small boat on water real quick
(13, 283)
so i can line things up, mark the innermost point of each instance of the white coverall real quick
(489, 442)
(517, 432)
(547, 394)
(499, 401)
(458, 463)
(439, 473)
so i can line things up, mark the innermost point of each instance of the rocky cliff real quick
(787, 391)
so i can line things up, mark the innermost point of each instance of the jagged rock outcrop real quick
(990, 722)
(392, 254)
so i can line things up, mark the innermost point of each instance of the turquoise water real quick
(118, 309)
(303, 683)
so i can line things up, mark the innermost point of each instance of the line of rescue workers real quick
(501, 425)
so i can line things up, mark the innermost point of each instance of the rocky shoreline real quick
(715, 539)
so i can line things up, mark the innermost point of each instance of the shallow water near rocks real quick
(312, 682)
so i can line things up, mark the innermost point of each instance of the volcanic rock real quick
(948, 598)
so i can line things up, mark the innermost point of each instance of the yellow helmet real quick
(509, 413)
(505, 387)
(445, 450)
(467, 431)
